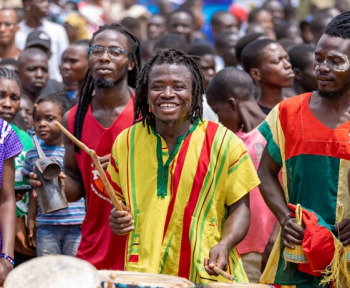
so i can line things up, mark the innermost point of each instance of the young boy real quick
(230, 94)
(56, 232)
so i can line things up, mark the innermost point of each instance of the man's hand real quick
(217, 257)
(104, 160)
(292, 233)
(343, 230)
(121, 222)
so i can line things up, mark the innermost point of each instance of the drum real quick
(54, 271)
(126, 279)
(237, 285)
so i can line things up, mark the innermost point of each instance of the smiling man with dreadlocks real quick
(185, 181)
(105, 108)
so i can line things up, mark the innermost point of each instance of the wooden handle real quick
(97, 163)
(224, 274)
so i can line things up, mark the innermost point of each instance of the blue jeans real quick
(57, 239)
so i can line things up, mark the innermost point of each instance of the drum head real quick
(138, 279)
(54, 271)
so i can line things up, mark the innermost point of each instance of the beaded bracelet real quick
(8, 258)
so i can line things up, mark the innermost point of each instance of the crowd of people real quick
(211, 133)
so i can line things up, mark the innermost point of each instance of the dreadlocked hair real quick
(169, 56)
(9, 74)
(339, 26)
(87, 88)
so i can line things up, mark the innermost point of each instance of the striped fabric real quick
(315, 162)
(75, 213)
(178, 201)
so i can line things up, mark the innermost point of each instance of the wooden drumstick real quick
(97, 163)
(224, 274)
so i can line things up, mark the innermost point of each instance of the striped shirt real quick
(75, 213)
(315, 161)
(179, 201)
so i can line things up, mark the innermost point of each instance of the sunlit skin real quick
(181, 23)
(155, 27)
(207, 63)
(44, 117)
(74, 64)
(332, 65)
(170, 97)
(10, 97)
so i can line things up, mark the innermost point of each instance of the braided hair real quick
(10, 74)
(169, 56)
(87, 89)
(339, 26)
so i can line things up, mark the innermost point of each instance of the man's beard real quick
(103, 83)
(331, 94)
(169, 123)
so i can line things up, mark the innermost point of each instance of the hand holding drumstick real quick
(97, 164)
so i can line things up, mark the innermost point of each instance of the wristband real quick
(8, 258)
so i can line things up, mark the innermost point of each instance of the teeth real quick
(171, 105)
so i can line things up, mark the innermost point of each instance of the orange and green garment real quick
(179, 200)
(315, 161)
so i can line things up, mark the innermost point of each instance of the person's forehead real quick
(157, 19)
(108, 38)
(7, 15)
(177, 72)
(76, 51)
(227, 18)
(328, 43)
(182, 17)
(207, 60)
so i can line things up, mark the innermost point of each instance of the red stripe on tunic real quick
(239, 158)
(202, 167)
(175, 180)
(114, 166)
(113, 184)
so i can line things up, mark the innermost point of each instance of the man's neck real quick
(270, 96)
(34, 22)
(9, 51)
(110, 98)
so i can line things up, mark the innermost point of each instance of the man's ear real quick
(233, 104)
(298, 73)
(255, 74)
(131, 64)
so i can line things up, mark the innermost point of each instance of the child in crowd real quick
(230, 94)
(57, 232)
(10, 146)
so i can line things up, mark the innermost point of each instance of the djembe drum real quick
(125, 279)
(53, 271)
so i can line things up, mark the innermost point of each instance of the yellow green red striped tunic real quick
(179, 201)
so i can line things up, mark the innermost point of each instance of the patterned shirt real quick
(75, 213)
(315, 161)
(10, 145)
(179, 201)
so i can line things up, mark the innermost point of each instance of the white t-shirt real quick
(59, 43)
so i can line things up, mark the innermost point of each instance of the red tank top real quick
(98, 244)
